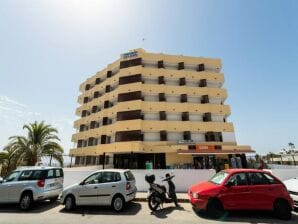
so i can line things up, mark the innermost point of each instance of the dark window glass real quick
(130, 96)
(163, 135)
(94, 109)
(162, 97)
(34, 175)
(97, 81)
(207, 117)
(92, 125)
(203, 83)
(182, 82)
(161, 80)
(205, 99)
(109, 74)
(183, 98)
(108, 88)
(82, 127)
(80, 143)
(201, 67)
(84, 113)
(186, 135)
(104, 120)
(213, 137)
(87, 87)
(130, 79)
(257, 179)
(96, 94)
(160, 64)
(238, 179)
(86, 99)
(180, 65)
(162, 115)
(185, 116)
(129, 115)
(106, 104)
(103, 139)
(122, 136)
(129, 175)
(130, 63)
(108, 177)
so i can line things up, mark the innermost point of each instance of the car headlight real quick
(195, 195)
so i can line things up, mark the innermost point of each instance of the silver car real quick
(104, 187)
(28, 184)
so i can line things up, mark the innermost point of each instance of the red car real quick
(242, 189)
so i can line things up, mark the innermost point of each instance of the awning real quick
(214, 152)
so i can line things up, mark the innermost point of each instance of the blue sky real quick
(47, 48)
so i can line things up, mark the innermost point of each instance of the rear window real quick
(32, 175)
(129, 176)
(54, 173)
(58, 173)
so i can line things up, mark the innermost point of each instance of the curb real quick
(181, 200)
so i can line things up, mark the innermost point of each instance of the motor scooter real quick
(157, 194)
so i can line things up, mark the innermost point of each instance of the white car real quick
(104, 187)
(292, 186)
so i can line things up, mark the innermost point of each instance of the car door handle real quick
(113, 186)
(95, 187)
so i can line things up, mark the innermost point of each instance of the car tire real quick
(282, 210)
(53, 199)
(26, 201)
(152, 203)
(70, 203)
(118, 203)
(215, 209)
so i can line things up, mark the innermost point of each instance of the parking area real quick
(136, 212)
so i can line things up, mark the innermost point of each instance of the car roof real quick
(231, 171)
(112, 170)
(36, 168)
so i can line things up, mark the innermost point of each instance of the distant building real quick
(157, 110)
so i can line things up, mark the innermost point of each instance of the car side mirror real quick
(82, 183)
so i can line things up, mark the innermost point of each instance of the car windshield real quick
(11, 176)
(219, 177)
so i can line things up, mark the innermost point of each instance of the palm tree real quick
(41, 141)
(9, 160)
(291, 145)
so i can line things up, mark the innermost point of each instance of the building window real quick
(80, 143)
(130, 96)
(185, 116)
(162, 97)
(203, 83)
(104, 120)
(162, 115)
(205, 99)
(109, 74)
(94, 109)
(87, 87)
(108, 88)
(130, 63)
(183, 98)
(103, 139)
(186, 135)
(213, 137)
(96, 94)
(163, 136)
(182, 82)
(85, 113)
(130, 79)
(160, 64)
(91, 141)
(201, 67)
(129, 115)
(207, 117)
(180, 65)
(123, 136)
(82, 127)
(86, 99)
(97, 81)
(161, 80)
(92, 124)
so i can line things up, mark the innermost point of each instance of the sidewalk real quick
(142, 196)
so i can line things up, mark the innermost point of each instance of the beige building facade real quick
(159, 110)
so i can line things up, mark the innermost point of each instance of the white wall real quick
(151, 136)
(195, 117)
(174, 116)
(151, 116)
(228, 137)
(175, 136)
(218, 118)
(198, 137)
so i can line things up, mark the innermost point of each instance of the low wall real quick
(183, 178)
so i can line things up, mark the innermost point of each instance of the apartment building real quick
(167, 111)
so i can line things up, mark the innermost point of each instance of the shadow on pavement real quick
(131, 208)
(164, 212)
(249, 217)
(37, 207)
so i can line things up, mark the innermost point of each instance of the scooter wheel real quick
(152, 203)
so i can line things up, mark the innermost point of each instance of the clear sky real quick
(47, 48)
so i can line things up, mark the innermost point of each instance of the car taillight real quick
(128, 186)
(40, 183)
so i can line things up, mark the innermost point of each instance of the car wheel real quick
(54, 199)
(152, 203)
(118, 203)
(26, 201)
(282, 210)
(215, 209)
(70, 203)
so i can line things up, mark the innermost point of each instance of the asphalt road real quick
(137, 212)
